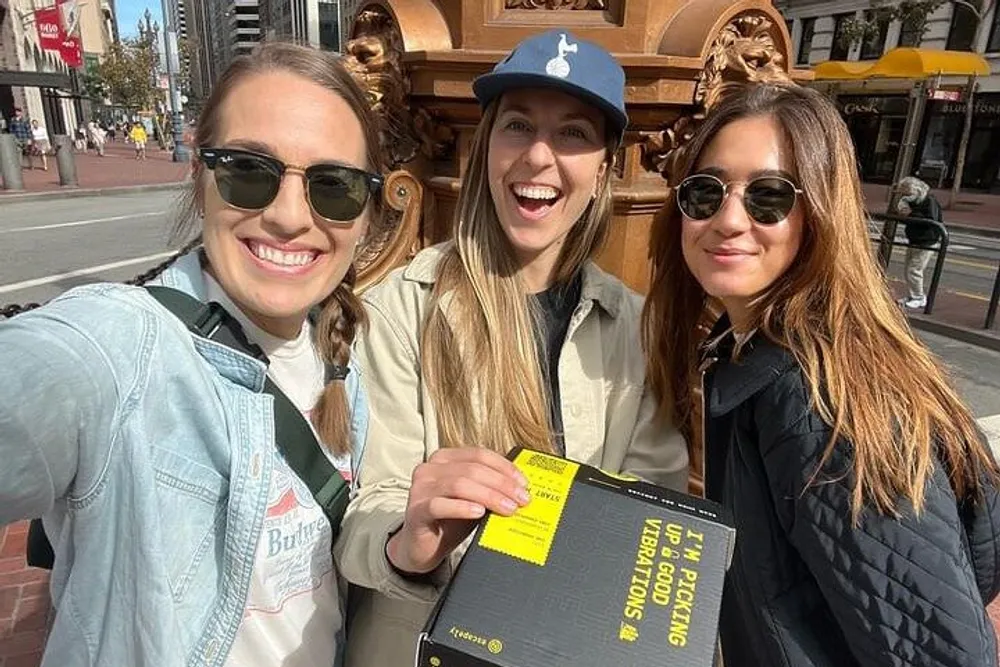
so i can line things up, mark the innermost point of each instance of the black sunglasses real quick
(250, 181)
(767, 199)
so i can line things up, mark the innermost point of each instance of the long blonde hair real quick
(480, 362)
(871, 380)
(341, 313)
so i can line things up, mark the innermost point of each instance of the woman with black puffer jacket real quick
(865, 498)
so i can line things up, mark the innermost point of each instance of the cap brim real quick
(490, 86)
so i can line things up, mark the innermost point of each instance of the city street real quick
(49, 246)
(970, 266)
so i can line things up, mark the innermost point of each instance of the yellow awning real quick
(906, 63)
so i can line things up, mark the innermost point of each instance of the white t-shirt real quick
(294, 613)
(39, 134)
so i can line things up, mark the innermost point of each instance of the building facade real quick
(876, 110)
(37, 80)
(324, 24)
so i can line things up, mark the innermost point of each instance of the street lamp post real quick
(181, 152)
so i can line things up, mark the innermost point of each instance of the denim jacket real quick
(147, 451)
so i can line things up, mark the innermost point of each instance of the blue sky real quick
(130, 11)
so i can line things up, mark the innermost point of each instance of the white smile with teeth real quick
(280, 257)
(535, 191)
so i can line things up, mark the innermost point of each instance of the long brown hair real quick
(481, 363)
(871, 380)
(341, 313)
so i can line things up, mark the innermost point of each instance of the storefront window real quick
(876, 124)
(911, 32)
(941, 138)
(873, 46)
(840, 48)
(963, 29)
(940, 142)
(806, 40)
(993, 45)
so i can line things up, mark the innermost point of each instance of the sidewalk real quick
(117, 168)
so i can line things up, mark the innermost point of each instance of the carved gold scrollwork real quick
(374, 57)
(392, 244)
(744, 51)
(556, 4)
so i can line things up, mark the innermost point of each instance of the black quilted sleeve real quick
(902, 589)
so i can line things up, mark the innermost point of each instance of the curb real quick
(977, 337)
(72, 192)
(974, 230)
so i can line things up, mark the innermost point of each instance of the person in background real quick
(139, 136)
(508, 335)
(21, 129)
(182, 535)
(96, 136)
(40, 145)
(865, 500)
(916, 201)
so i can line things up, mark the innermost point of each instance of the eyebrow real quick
(757, 173)
(573, 115)
(265, 148)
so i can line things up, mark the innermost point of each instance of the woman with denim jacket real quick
(181, 535)
(865, 500)
(509, 335)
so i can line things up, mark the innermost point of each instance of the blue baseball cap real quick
(556, 59)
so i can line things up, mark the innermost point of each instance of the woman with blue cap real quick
(507, 335)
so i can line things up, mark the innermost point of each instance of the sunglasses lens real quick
(769, 200)
(246, 181)
(700, 197)
(337, 193)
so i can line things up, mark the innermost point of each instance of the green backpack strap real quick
(295, 438)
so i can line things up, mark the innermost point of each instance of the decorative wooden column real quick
(418, 59)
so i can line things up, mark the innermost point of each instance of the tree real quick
(913, 14)
(128, 73)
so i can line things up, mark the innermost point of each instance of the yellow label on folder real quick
(529, 533)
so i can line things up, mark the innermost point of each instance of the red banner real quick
(72, 51)
(50, 30)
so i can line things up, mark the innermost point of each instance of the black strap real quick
(296, 439)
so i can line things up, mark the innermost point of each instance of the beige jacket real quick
(608, 419)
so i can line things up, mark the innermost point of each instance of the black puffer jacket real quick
(805, 587)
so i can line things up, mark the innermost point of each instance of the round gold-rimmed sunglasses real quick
(767, 199)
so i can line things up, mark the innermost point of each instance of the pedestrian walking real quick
(80, 139)
(865, 500)
(510, 335)
(917, 203)
(138, 136)
(21, 129)
(40, 145)
(96, 136)
(181, 460)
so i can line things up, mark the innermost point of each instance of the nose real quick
(289, 214)
(539, 154)
(732, 219)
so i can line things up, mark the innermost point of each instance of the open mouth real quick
(282, 259)
(535, 201)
